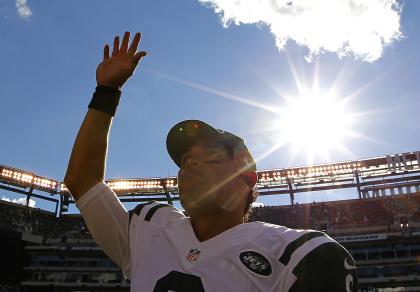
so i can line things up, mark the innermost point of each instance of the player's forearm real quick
(87, 161)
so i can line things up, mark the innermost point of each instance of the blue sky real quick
(197, 67)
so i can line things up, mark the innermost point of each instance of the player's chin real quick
(194, 200)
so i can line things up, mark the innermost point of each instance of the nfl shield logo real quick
(193, 255)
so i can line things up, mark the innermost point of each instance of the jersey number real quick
(179, 282)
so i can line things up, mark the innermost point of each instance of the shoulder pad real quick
(328, 267)
(306, 238)
(148, 211)
(282, 242)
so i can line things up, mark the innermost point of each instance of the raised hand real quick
(115, 70)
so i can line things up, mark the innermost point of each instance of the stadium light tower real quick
(380, 176)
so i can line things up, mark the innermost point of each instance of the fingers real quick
(138, 56)
(116, 45)
(106, 52)
(133, 48)
(124, 44)
(124, 49)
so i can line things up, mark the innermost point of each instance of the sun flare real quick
(315, 122)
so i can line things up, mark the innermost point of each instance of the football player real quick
(213, 248)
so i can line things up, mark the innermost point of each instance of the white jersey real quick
(156, 247)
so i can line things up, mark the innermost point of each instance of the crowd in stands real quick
(19, 218)
(25, 219)
(382, 211)
(79, 267)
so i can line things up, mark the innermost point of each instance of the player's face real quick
(207, 180)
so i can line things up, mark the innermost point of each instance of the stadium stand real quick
(344, 216)
(53, 251)
(43, 252)
(47, 253)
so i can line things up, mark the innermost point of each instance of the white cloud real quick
(361, 28)
(23, 9)
(255, 204)
(20, 201)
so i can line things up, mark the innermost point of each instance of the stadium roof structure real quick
(371, 177)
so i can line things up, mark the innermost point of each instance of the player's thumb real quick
(138, 56)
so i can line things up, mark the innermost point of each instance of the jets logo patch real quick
(255, 262)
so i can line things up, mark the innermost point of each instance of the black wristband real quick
(105, 99)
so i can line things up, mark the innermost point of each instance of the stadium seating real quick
(388, 212)
(67, 259)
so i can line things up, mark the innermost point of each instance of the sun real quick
(315, 122)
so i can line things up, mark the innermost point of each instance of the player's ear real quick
(250, 178)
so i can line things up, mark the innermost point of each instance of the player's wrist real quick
(105, 99)
(113, 85)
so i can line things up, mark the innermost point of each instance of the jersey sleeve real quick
(149, 210)
(318, 263)
(108, 223)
